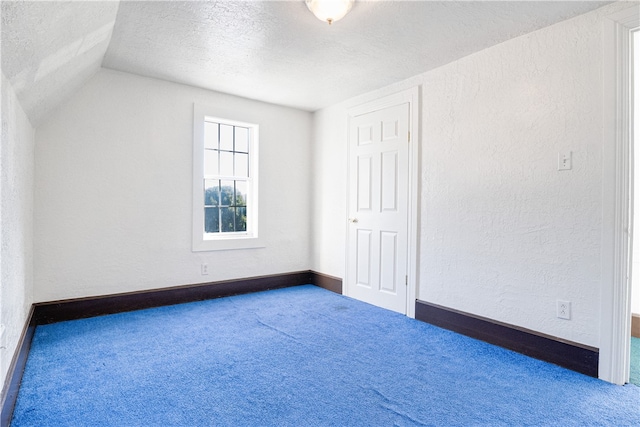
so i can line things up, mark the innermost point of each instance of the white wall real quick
(113, 190)
(16, 224)
(329, 190)
(503, 233)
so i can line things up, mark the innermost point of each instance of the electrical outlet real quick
(204, 269)
(564, 309)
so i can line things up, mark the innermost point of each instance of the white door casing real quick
(615, 312)
(381, 233)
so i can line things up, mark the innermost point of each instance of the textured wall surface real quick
(16, 224)
(329, 211)
(114, 198)
(504, 234)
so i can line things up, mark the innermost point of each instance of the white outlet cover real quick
(564, 309)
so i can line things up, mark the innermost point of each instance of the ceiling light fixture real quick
(329, 10)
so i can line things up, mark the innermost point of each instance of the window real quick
(226, 176)
(225, 194)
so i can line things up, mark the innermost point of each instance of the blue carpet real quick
(299, 356)
(634, 377)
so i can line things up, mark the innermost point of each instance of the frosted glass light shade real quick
(329, 10)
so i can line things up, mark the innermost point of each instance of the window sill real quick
(225, 244)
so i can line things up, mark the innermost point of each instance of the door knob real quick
(354, 220)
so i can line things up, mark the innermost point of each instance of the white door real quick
(378, 207)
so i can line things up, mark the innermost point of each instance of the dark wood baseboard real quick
(635, 325)
(330, 283)
(57, 311)
(574, 356)
(79, 308)
(16, 368)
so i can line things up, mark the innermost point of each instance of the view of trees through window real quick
(225, 208)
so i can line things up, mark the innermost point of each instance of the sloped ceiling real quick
(50, 49)
(274, 51)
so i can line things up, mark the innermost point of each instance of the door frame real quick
(617, 198)
(412, 97)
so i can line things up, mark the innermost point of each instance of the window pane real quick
(210, 135)
(226, 163)
(241, 164)
(211, 220)
(211, 192)
(241, 219)
(241, 193)
(226, 137)
(210, 162)
(227, 218)
(226, 193)
(242, 140)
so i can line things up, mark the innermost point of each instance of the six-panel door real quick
(378, 207)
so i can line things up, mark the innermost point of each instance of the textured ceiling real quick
(50, 49)
(275, 51)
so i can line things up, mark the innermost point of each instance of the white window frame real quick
(202, 241)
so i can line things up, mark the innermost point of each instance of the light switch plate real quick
(564, 161)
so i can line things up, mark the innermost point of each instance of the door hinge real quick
(409, 136)
(406, 280)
